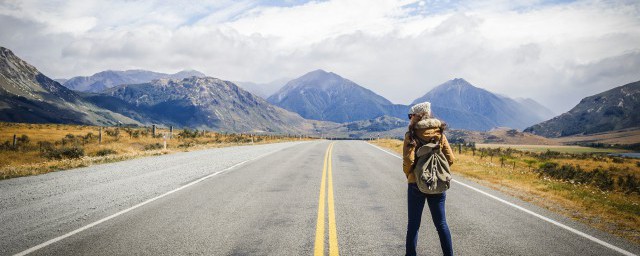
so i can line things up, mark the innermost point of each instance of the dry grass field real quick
(595, 189)
(42, 148)
(557, 148)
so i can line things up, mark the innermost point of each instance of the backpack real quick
(431, 168)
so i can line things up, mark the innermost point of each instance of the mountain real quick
(322, 95)
(27, 95)
(464, 106)
(263, 90)
(541, 111)
(200, 102)
(615, 109)
(107, 79)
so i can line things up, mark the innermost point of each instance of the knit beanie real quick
(424, 107)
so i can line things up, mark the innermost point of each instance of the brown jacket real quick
(426, 130)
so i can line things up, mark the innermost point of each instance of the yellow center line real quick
(319, 244)
(333, 233)
(320, 223)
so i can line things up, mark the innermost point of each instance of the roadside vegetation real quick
(592, 187)
(43, 148)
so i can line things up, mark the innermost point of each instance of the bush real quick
(189, 134)
(23, 140)
(45, 146)
(71, 153)
(629, 184)
(601, 179)
(105, 152)
(618, 160)
(113, 132)
(71, 139)
(153, 146)
(187, 144)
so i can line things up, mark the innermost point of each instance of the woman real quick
(426, 128)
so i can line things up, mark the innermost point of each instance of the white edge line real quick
(47, 243)
(603, 243)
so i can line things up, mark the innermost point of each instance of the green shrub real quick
(618, 160)
(45, 146)
(105, 152)
(153, 146)
(67, 152)
(599, 178)
(189, 134)
(187, 144)
(23, 140)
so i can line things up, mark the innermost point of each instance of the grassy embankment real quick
(592, 188)
(42, 148)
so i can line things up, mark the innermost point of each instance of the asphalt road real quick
(269, 206)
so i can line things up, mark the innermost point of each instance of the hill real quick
(27, 95)
(615, 109)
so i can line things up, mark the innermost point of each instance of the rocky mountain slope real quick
(321, 95)
(206, 103)
(107, 79)
(26, 95)
(615, 109)
(464, 106)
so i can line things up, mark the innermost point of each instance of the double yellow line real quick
(333, 234)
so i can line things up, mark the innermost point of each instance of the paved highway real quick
(321, 197)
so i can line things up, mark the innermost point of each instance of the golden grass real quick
(611, 211)
(29, 160)
(557, 148)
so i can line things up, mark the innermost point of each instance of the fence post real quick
(459, 148)
(153, 129)
(170, 131)
(100, 136)
(15, 140)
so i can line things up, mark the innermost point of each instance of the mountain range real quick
(27, 95)
(322, 95)
(200, 102)
(615, 109)
(318, 102)
(107, 79)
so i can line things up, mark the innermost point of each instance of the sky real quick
(555, 52)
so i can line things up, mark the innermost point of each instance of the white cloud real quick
(554, 53)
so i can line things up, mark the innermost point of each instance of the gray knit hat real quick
(424, 107)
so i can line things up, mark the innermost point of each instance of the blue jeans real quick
(415, 200)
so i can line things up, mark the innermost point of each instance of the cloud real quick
(555, 53)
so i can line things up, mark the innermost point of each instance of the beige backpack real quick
(431, 168)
